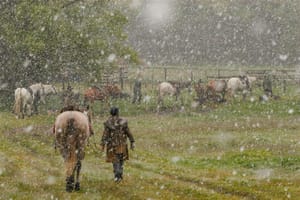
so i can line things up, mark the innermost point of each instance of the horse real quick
(72, 130)
(180, 85)
(112, 91)
(23, 102)
(49, 89)
(215, 87)
(38, 94)
(166, 88)
(237, 84)
(94, 93)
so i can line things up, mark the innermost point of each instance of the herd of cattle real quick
(27, 99)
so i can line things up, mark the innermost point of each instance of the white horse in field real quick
(39, 94)
(166, 88)
(23, 102)
(238, 84)
(49, 89)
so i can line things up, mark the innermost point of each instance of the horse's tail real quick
(18, 108)
(70, 126)
(72, 150)
(64, 139)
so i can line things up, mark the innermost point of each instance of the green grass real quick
(233, 150)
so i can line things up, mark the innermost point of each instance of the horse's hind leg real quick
(70, 168)
(22, 111)
(78, 168)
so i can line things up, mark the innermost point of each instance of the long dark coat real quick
(115, 134)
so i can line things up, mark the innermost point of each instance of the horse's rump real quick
(23, 102)
(18, 101)
(71, 133)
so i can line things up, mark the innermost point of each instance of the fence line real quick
(159, 74)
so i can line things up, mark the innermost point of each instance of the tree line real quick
(44, 41)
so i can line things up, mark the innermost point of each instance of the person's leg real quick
(118, 167)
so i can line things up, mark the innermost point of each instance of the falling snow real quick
(28, 129)
(82, 44)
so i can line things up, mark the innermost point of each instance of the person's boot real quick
(118, 178)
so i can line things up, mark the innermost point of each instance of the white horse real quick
(23, 103)
(38, 95)
(38, 92)
(164, 89)
(238, 84)
(49, 89)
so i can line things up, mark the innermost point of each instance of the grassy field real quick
(234, 150)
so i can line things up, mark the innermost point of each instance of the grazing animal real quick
(215, 87)
(49, 89)
(92, 94)
(23, 102)
(38, 94)
(112, 91)
(237, 84)
(166, 88)
(180, 85)
(72, 131)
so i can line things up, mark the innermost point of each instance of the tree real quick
(41, 40)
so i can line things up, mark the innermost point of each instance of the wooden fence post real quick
(165, 74)
(152, 79)
(121, 78)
